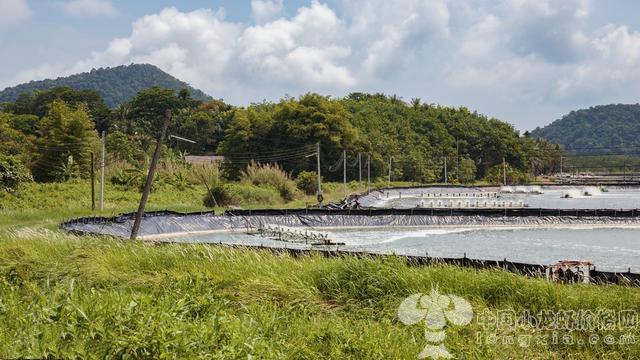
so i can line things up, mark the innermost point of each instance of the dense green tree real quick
(467, 171)
(67, 136)
(142, 117)
(309, 120)
(288, 131)
(416, 141)
(246, 138)
(496, 175)
(38, 103)
(121, 146)
(12, 173)
(26, 124)
(485, 140)
(419, 137)
(599, 130)
(13, 142)
(205, 125)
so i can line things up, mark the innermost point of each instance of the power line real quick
(271, 159)
(254, 155)
(603, 147)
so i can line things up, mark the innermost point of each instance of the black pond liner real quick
(167, 222)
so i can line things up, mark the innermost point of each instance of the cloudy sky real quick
(527, 62)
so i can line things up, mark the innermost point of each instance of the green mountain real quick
(605, 129)
(116, 85)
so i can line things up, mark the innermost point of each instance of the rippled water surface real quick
(552, 198)
(609, 248)
(614, 248)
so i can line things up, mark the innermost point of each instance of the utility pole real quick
(102, 152)
(561, 177)
(445, 169)
(457, 159)
(368, 171)
(504, 171)
(319, 177)
(389, 178)
(359, 172)
(93, 184)
(152, 170)
(344, 172)
(533, 170)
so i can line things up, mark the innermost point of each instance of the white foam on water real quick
(591, 191)
(506, 189)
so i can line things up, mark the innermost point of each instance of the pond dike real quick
(162, 225)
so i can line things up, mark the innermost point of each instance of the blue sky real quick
(527, 62)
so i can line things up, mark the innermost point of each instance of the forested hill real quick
(116, 85)
(604, 129)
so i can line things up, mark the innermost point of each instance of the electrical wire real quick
(275, 153)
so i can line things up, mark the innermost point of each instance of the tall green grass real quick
(64, 297)
(271, 175)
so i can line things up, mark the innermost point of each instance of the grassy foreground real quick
(67, 297)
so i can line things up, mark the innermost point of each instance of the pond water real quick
(551, 198)
(612, 249)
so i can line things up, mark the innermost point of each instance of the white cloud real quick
(614, 59)
(265, 10)
(83, 8)
(304, 49)
(13, 12)
(520, 60)
(389, 31)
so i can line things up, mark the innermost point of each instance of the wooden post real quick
(344, 172)
(389, 177)
(368, 171)
(359, 172)
(152, 170)
(319, 194)
(102, 155)
(93, 185)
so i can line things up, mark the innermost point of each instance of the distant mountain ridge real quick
(604, 129)
(116, 85)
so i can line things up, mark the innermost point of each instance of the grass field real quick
(67, 297)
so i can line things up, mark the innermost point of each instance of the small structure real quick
(202, 160)
(296, 235)
(570, 271)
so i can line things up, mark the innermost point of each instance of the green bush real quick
(307, 182)
(495, 175)
(12, 173)
(467, 171)
(204, 174)
(226, 194)
(253, 195)
(220, 195)
(270, 175)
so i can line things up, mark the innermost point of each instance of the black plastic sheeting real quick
(493, 212)
(167, 222)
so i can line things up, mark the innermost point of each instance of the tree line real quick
(52, 133)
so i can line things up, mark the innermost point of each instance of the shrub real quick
(220, 195)
(12, 173)
(270, 175)
(206, 174)
(467, 171)
(495, 175)
(307, 181)
(251, 194)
